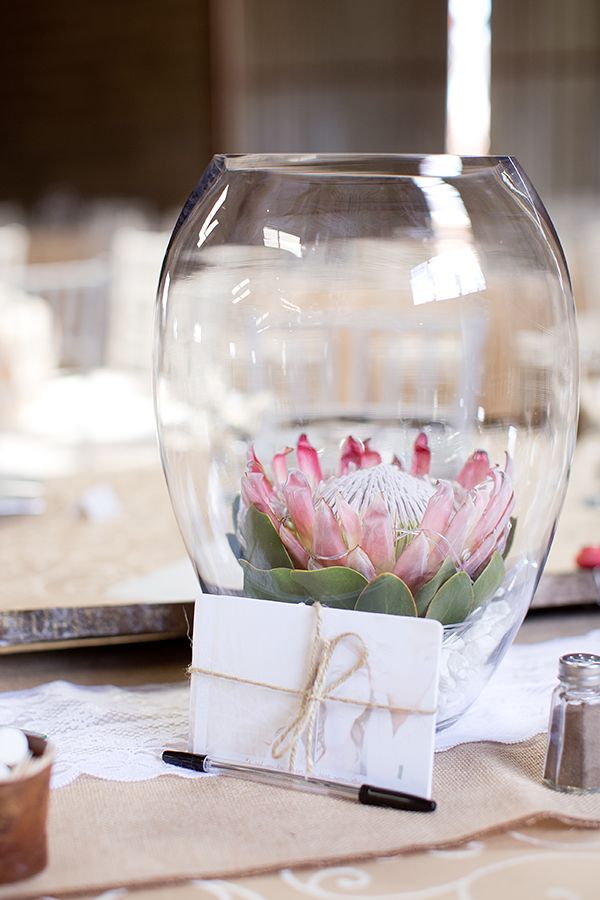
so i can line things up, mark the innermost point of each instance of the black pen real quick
(367, 794)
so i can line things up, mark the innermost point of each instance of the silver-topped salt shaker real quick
(573, 753)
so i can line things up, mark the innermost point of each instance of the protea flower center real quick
(406, 496)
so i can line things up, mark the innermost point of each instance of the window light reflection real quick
(210, 223)
(452, 273)
(454, 270)
(446, 207)
(282, 240)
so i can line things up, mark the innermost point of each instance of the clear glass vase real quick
(366, 390)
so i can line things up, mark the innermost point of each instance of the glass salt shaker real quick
(573, 753)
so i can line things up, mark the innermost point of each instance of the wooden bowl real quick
(23, 815)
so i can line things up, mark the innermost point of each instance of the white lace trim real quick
(109, 732)
(119, 733)
(515, 704)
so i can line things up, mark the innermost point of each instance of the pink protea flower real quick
(375, 517)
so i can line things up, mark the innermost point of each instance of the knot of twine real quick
(314, 692)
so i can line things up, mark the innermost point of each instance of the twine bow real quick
(315, 691)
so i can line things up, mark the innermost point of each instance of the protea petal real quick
(350, 521)
(481, 554)
(253, 463)
(279, 465)
(494, 540)
(298, 554)
(427, 551)
(378, 535)
(497, 504)
(358, 559)
(257, 491)
(491, 528)
(411, 565)
(481, 495)
(435, 522)
(460, 525)
(308, 461)
(329, 547)
(350, 455)
(476, 469)
(299, 501)
(421, 459)
(369, 457)
(439, 509)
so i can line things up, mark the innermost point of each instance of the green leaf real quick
(511, 537)
(387, 594)
(489, 581)
(454, 600)
(235, 511)
(426, 592)
(271, 584)
(264, 548)
(336, 586)
(234, 544)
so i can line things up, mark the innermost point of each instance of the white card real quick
(384, 736)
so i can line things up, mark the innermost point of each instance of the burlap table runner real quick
(105, 834)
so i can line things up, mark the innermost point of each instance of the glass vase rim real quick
(400, 165)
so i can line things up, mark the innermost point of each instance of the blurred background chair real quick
(134, 262)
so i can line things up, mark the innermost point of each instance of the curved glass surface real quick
(366, 376)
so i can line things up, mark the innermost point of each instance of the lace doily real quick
(119, 733)
(110, 732)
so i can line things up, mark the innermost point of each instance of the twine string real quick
(316, 690)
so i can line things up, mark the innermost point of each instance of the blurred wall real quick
(546, 91)
(130, 98)
(340, 75)
(104, 97)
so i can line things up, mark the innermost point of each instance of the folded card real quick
(337, 694)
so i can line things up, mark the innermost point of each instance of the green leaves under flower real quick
(387, 594)
(264, 548)
(449, 596)
(454, 600)
(426, 593)
(272, 584)
(337, 586)
(489, 581)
